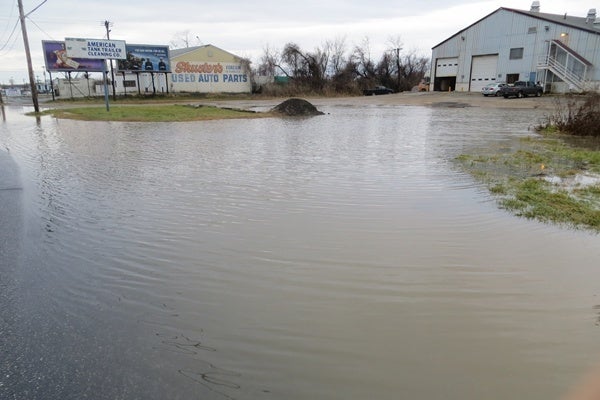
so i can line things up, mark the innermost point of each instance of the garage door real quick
(446, 67)
(483, 71)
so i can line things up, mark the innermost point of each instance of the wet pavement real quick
(340, 256)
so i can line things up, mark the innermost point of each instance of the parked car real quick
(522, 89)
(492, 89)
(377, 90)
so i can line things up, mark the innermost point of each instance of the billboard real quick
(145, 58)
(55, 56)
(102, 49)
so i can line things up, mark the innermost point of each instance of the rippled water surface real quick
(337, 257)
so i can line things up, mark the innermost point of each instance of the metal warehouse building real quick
(559, 51)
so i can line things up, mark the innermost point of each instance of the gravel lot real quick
(432, 99)
(449, 99)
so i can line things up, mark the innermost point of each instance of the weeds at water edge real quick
(543, 179)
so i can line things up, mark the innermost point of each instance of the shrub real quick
(575, 116)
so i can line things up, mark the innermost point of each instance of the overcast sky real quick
(245, 28)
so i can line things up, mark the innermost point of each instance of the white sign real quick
(95, 48)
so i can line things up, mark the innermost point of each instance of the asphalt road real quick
(10, 213)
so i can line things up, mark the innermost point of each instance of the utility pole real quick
(107, 25)
(398, 66)
(34, 93)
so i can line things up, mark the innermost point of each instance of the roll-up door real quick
(446, 67)
(483, 71)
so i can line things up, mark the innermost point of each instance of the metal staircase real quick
(566, 64)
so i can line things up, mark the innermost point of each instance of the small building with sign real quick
(208, 69)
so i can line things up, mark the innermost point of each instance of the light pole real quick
(45, 83)
(398, 66)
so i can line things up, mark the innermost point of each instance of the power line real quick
(41, 30)
(10, 36)
(7, 22)
(36, 7)
(62, 21)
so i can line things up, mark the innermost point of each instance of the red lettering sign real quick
(206, 68)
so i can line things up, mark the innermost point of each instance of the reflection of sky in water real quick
(333, 257)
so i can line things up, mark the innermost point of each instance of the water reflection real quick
(332, 257)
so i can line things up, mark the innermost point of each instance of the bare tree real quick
(395, 46)
(361, 60)
(319, 61)
(184, 39)
(386, 70)
(330, 68)
(412, 69)
(292, 56)
(395, 43)
(337, 60)
(307, 67)
(270, 62)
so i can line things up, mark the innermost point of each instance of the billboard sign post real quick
(97, 49)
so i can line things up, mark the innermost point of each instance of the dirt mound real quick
(296, 108)
(450, 104)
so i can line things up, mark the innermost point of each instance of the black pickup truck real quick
(377, 90)
(521, 89)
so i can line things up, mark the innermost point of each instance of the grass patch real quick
(541, 178)
(536, 199)
(152, 113)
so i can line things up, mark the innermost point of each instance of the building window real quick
(532, 29)
(516, 53)
(512, 78)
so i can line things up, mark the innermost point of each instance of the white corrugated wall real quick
(503, 30)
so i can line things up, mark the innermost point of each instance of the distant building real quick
(208, 69)
(76, 88)
(562, 52)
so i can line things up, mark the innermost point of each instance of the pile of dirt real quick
(296, 108)
(450, 104)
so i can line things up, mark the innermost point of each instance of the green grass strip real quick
(152, 113)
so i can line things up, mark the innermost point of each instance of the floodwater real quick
(336, 257)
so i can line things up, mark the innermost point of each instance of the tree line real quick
(334, 68)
